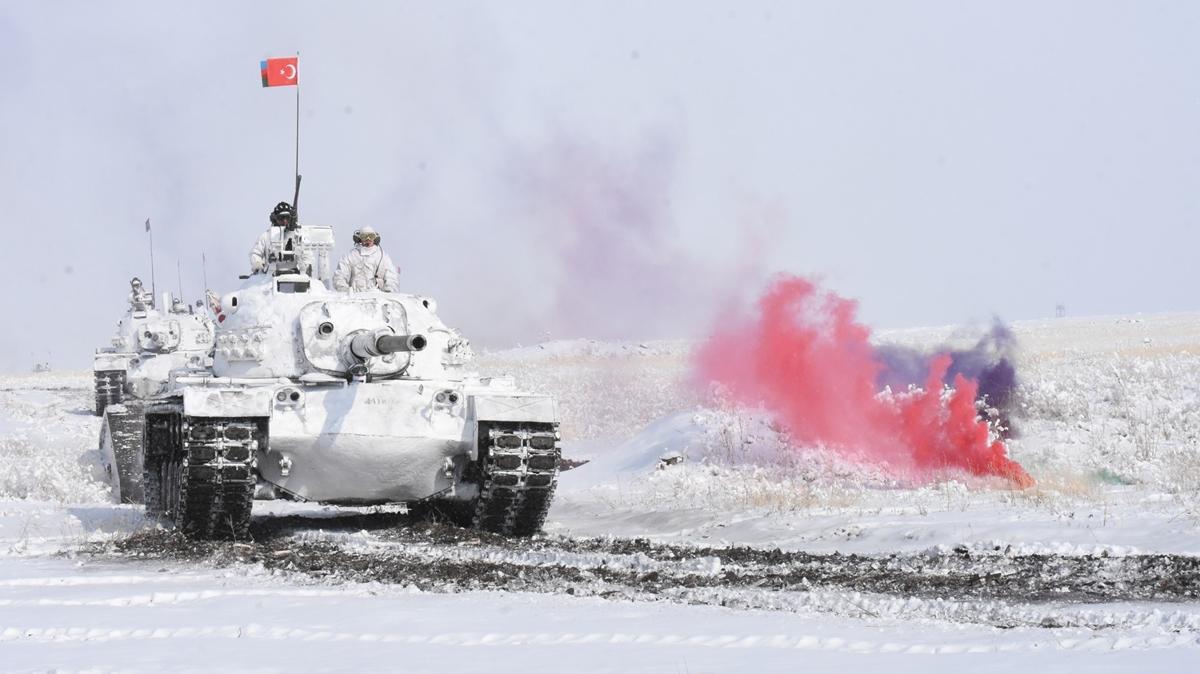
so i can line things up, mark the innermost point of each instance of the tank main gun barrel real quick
(370, 344)
(394, 343)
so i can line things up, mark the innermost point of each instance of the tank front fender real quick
(111, 361)
(509, 407)
(227, 402)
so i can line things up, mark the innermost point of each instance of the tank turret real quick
(148, 344)
(291, 325)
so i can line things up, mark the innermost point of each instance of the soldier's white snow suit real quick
(140, 299)
(366, 268)
(260, 252)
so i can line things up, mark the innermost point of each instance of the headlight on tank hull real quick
(288, 397)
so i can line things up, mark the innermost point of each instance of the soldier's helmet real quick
(283, 215)
(364, 234)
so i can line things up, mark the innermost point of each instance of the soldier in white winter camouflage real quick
(276, 244)
(367, 266)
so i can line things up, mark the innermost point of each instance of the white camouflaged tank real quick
(149, 345)
(345, 398)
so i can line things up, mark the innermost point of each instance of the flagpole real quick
(297, 172)
(204, 269)
(179, 277)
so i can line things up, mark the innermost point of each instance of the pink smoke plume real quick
(811, 365)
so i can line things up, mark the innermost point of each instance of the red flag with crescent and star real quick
(280, 72)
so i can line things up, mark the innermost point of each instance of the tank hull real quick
(347, 468)
(354, 443)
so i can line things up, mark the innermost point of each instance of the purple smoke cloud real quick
(990, 362)
(605, 213)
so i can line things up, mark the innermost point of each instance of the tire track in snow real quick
(74, 581)
(64, 634)
(171, 598)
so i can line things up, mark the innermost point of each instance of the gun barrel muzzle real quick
(369, 345)
(395, 343)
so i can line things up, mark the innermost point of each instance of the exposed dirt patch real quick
(394, 548)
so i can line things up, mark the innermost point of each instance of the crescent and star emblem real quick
(287, 75)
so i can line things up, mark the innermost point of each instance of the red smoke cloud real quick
(807, 361)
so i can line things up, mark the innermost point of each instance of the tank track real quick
(200, 472)
(518, 474)
(121, 444)
(110, 389)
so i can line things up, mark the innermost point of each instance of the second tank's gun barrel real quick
(370, 344)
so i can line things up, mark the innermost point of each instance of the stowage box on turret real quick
(353, 398)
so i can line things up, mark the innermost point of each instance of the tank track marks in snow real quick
(110, 389)
(121, 450)
(519, 473)
(200, 471)
(995, 587)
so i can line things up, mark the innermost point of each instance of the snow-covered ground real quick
(1109, 427)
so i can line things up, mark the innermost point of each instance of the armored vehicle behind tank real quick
(354, 398)
(149, 344)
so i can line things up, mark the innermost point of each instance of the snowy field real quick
(1093, 568)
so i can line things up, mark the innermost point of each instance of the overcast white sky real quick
(608, 169)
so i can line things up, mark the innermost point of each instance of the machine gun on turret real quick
(292, 249)
(288, 258)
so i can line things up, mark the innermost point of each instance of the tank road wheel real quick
(110, 389)
(121, 450)
(202, 472)
(517, 474)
